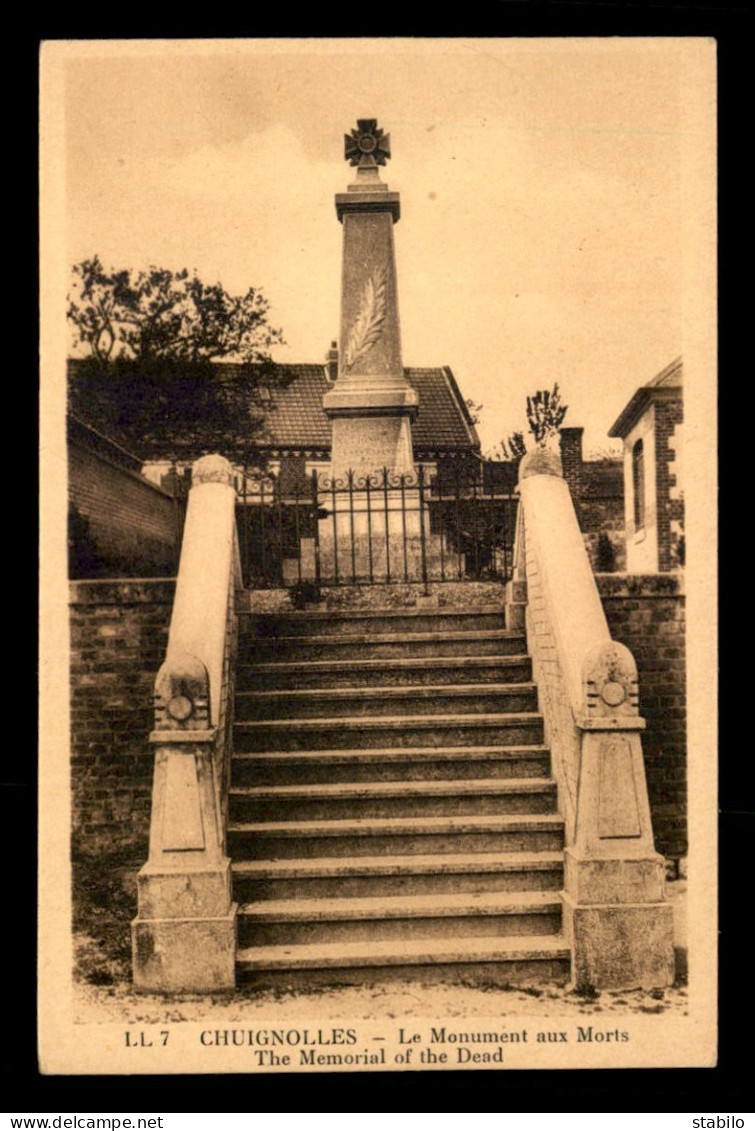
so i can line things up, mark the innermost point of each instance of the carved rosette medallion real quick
(182, 694)
(610, 681)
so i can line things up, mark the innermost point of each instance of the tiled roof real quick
(294, 416)
(443, 419)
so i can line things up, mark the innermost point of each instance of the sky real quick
(542, 185)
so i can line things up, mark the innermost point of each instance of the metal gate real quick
(366, 530)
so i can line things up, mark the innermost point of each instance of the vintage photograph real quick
(378, 544)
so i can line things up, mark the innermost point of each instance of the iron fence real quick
(369, 529)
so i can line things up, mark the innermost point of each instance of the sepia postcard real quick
(378, 622)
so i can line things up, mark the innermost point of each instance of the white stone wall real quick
(642, 545)
(155, 471)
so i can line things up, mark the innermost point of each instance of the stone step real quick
(371, 732)
(461, 914)
(396, 836)
(371, 876)
(354, 801)
(355, 702)
(360, 646)
(477, 961)
(386, 673)
(279, 767)
(337, 622)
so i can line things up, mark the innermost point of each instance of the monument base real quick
(377, 560)
(379, 536)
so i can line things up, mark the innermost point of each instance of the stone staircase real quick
(391, 813)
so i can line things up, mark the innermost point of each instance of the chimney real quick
(571, 459)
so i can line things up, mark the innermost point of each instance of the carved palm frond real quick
(368, 327)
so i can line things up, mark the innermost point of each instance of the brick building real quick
(651, 428)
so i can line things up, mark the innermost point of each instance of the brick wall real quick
(603, 517)
(119, 633)
(647, 613)
(133, 524)
(668, 414)
(597, 490)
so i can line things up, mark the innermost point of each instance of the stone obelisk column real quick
(371, 404)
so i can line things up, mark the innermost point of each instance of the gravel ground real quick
(368, 1003)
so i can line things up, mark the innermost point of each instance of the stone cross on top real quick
(367, 145)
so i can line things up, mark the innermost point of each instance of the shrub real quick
(304, 593)
(605, 554)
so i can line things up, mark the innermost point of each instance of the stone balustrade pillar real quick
(616, 917)
(184, 936)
